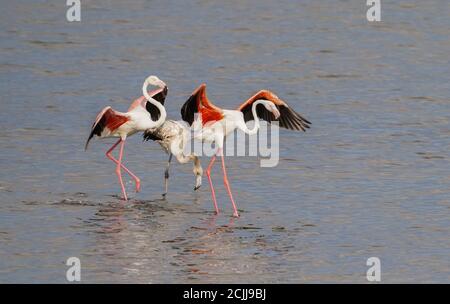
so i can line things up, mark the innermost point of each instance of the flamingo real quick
(214, 123)
(173, 136)
(144, 113)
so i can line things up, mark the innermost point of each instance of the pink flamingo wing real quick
(106, 122)
(198, 102)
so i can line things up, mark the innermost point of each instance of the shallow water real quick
(371, 178)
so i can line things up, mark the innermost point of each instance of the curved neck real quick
(255, 118)
(160, 107)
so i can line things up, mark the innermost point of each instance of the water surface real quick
(371, 178)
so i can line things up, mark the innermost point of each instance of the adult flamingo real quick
(144, 113)
(215, 123)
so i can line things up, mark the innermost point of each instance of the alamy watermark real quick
(374, 272)
(73, 274)
(264, 144)
(374, 11)
(74, 11)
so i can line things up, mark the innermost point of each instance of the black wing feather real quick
(96, 131)
(189, 109)
(289, 119)
(152, 109)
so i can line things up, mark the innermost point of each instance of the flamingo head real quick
(271, 107)
(155, 81)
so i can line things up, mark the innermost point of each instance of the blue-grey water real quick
(370, 179)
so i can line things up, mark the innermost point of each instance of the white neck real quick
(255, 118)
(162, 110)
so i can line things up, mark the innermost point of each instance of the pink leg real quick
(208, 173)
(111, 157)
(118, 169)
(227, 185)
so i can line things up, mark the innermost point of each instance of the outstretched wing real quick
(198, 102)
(107, 121)
(288, 118)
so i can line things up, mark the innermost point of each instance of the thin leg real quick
(111, 157)
(208, 173)
(118, 169)
(166, 175)
(198, 172)
(227, 185)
